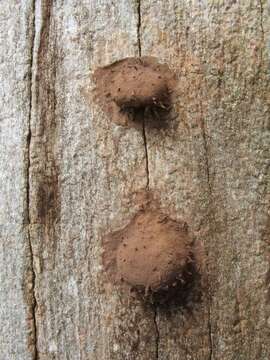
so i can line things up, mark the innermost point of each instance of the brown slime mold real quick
(130, 88)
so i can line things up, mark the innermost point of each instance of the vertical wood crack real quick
(157, 331)
(206, 152)
(143, 122)
(41, 184)
(146, 155)
(210, 194)
(147, 168)
(210, 334)
(28, 144)
(261, 19)
(139, 27)
(207, 165)
(262, 31)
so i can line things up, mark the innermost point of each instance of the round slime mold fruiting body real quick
(133, 89)
(139, 87)
(153, 253)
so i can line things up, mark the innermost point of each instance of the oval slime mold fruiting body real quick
(153, 253)
(129, 88)
(139, 87)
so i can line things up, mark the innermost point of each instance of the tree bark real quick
(69, 176)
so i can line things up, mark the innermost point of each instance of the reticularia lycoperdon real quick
(134, 84)
(153, 253)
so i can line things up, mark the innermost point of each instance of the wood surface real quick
(69, 176)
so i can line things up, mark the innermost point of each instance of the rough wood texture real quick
(214, 168)
(16, 316)
(69, 176)
(83, 172)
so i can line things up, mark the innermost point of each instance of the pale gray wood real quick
(84, 171)
(16, 335)
(213, 170)
(69, 176)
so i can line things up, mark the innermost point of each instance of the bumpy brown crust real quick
(153, 252)
(133, 83)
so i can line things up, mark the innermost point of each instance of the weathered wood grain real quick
(213, 169)
(84, 172)
(16, 320)
(69, 176)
